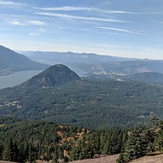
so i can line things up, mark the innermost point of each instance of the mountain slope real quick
(139, 66)
(52, 76)
(86, 103)
(125, 68)
(12, 61)
(147, 77)
(98, 65)
(149, 159)
(40, 140)
(81, 63)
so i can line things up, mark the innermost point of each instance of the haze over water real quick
(16, 78)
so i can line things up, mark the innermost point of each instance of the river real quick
(17, 78)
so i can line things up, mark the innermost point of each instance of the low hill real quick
(10, 61)
(147, 77)
(52, 76)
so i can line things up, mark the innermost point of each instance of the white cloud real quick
(33, 34)
(36, 22)
(15, 22)
(65, 16)
(37, 32)
(119, 12)
(67, 8)
(10, 3)
(19, 22)
(73, 8)
(118, 30)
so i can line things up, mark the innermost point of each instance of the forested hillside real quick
(51, 77)
(86, 103)
(147, 77)
(143, 141)
(22, 141)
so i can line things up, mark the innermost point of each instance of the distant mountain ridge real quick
(94, 65)
(53, 76)
(10, 61)
(71, 57)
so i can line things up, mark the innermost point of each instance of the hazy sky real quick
(129, 28)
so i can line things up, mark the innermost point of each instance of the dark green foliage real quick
(23, 141)
(53, 76)
(140, 142)
(86, 103)
(147, 77)
(8, 150)
(135, 146)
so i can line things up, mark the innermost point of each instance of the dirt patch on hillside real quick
(107, 159)
(149, 159)
(113, 158)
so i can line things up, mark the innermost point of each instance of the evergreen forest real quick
(85, 103)
(27, 141)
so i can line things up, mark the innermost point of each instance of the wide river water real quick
(17, 78)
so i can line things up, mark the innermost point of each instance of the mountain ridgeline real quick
(98, 66)
(53, 76)
(10, 62)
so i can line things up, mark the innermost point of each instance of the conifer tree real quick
(7, 154)
(54, 157)
(136, 145)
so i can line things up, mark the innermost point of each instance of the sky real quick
(125, 28)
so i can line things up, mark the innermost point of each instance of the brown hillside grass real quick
(112, 159)
(107, 159)
(149, 159)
